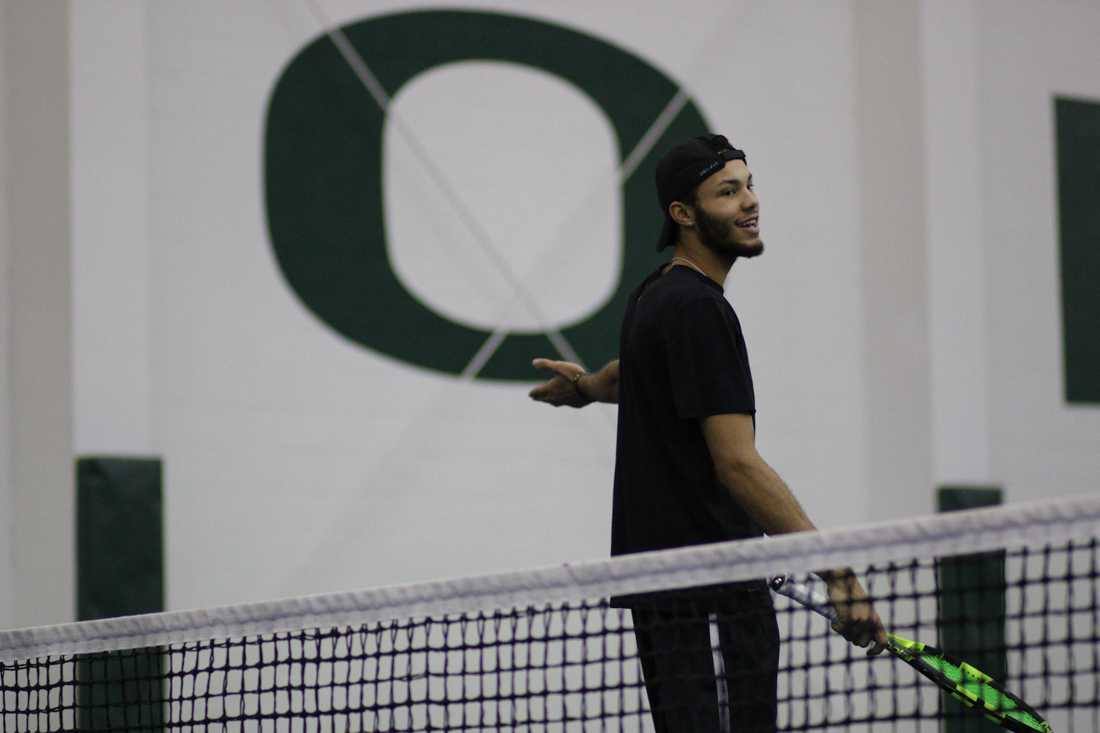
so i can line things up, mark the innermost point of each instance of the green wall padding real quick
(120, 571)
(1077, 124)
(972, 607)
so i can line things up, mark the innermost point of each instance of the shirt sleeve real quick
(707, 360)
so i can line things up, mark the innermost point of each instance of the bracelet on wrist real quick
(577, 385)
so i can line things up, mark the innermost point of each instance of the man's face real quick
(727, 212)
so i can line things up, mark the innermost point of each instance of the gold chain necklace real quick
(690, 264)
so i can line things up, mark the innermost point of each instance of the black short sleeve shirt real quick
(682, 357)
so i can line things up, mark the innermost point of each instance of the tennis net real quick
(679, 640)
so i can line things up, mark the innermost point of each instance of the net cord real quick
(980, 530)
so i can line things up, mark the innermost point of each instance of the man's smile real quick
(750, 224)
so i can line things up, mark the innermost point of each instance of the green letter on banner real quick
(323, 177)
(1078, 130)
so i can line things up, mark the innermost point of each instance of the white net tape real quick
(1020, 525)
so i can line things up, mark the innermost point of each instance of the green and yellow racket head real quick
(969, 685)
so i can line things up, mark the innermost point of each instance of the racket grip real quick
(813, 600)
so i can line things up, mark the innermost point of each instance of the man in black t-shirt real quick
(687, 470)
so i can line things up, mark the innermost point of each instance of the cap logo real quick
(710, 169)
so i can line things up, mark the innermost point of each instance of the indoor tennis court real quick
(278, 452)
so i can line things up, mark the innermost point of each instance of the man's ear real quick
(681, 213)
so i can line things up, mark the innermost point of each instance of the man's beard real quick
(719, 236)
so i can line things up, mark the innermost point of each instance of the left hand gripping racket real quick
(966, 683)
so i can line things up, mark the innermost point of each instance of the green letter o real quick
(323, 178)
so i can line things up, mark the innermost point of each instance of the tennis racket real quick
(965, 683)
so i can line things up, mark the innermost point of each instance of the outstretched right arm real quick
(571, 385)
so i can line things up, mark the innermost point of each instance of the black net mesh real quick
(706, 659)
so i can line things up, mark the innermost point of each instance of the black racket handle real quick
(802, 593)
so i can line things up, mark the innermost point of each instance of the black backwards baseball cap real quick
(685, 167)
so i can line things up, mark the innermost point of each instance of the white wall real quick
(37, 174)
(903, 323)
(110, 230)
(998, 410)
(1039, 444)
(957, 262)
(7, 527)
(893, 264)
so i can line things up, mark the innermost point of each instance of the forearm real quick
(764, 496)
(603, 385)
